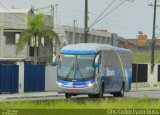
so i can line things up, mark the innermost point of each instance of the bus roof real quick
(88, 48)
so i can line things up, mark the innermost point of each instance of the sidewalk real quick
(145, 89)
(29, 95)
(55, 94)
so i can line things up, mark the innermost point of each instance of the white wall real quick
(1, 44)
(152, 78)
(50, 78)
(21, 77)
(9, 51)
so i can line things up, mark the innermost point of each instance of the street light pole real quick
(153, 38)
(86, 22)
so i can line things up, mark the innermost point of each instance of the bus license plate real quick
(74, 91)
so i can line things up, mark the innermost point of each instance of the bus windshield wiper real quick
(70, 71)
(80, 72)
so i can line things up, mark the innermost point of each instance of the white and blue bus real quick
(93, 69)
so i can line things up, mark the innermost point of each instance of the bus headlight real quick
(90, 84)
(59, 84)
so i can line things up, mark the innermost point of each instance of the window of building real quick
(31, 51)
(10, 38)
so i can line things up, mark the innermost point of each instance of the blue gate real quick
(8, 77)
(34, 78)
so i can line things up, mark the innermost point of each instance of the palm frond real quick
(36, 28)
(50, 34)
(24, 38)
(36, 23)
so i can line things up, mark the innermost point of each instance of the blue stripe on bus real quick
(78, 51)
(75, 82)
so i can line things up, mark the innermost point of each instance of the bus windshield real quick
(76, 67)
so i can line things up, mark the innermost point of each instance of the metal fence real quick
(139, 75)
(8, 77)
(34, 78)
(37, 78)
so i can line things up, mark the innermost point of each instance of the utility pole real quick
(74, 28)
(52, 15)
(54, 41)
(153, 37)
(86, 22)
(153, 43)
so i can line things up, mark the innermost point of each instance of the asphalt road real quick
(152, 94)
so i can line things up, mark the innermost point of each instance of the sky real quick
(126, 20)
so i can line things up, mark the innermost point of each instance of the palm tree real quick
(35, 31)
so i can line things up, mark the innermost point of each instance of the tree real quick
(35, 31)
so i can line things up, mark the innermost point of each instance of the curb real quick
(25, 97)
(7, 97)
(144, 89)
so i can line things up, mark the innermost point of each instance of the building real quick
(143, 43)
(142, 39)
(12, 24)
(126, 43)
(70, 35)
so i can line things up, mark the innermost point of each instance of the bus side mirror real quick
(55, 59)
(96, 63)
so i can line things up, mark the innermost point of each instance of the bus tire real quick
(68, 95)
(91, 95)
(121, 93)
(101, 91)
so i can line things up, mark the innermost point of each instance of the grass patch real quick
(114, 103)
(145, 57)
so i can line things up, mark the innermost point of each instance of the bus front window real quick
(66, 66)
(85, 67)
(76, 67)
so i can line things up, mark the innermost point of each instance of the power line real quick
(103, 11)
(68, 15)
(72, 10)
(45, 7)
(119, 23)
(108, 13)
(71, 17)
(71, 13)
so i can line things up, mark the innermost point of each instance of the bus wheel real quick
(93, 95)
(68, 95)
(119, 94)
(100, 95)
(90, 95)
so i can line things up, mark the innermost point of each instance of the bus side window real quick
(97, 63)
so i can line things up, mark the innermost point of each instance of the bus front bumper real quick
(76, 90)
